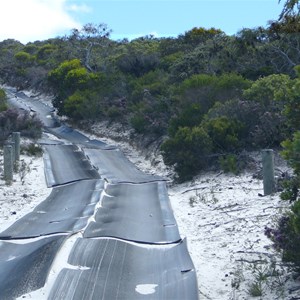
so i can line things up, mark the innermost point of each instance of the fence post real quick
(8, 163)
(16, 140)
(12, 144)
(268, 171)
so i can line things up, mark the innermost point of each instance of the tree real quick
(85, 39)
(283, 43)
(291, 7)
(208, 54)
(250, 54)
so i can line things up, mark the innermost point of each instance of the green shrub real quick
(225, 133)
(23, 57)
(191, 149)
(3, 103)
(71, 82)
(139, 123)
(292, 106)
(150, 116)
(84, 104)
(268, 128)
(291, 152)
(290, 189)
(276, 88)
(114, 113)
(45, 51)
(286, 234)
(188, 151)
(208, 89)
(73, 105)
(190, 116)
(229, 163)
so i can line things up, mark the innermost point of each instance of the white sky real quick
(31, 20)
(26, 20)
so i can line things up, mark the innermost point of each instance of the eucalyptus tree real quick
(86, 39)
(291, 7)
(284, 43)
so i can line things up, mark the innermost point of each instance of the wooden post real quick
(8, 163)
(12, 144)
(16, 140)
(268, 171)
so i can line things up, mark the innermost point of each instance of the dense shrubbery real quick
(225, 133)
(189, 150)
(231, 90)
(210, 95)
(231, 112)
(286, 234)
(13, 120)
(3, 103)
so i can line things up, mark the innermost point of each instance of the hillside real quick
(197, 109)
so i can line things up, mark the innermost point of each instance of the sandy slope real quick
(17, 198)
(221, 215)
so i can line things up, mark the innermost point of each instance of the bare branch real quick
(290, 8)
(87, 38)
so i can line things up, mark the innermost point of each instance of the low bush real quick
(286, 237)
(188, 151)
(3, 103)
(32, 149)
(286, 234)
(229, 163)
(14, 120)
(225, 133)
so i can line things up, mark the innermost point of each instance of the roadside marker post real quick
(268, 171)
(8, 162)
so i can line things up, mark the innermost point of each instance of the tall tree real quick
(89, 36)
(291, 7)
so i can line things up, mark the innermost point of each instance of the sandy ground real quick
(221, 215)
(26, 191)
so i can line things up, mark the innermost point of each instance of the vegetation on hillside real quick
(14, 120)
(208, 96)
(201, 87)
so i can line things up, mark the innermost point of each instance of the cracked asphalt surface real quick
(128, 237)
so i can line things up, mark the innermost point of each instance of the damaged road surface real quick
(106, 231)
(116, 269)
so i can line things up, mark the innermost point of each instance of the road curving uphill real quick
(126, 240)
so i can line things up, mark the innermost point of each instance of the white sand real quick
(17, 199)
(221, 215)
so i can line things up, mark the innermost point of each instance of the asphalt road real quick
(129, 246)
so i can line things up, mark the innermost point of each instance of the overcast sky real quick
(31, 20)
